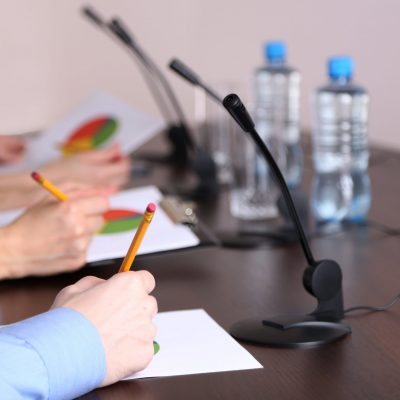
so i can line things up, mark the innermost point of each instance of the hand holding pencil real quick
(139, 235)
(52, 236)
(54, 190)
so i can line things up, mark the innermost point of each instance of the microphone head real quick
(185, 72)
(118, 28)
(93, 16)
(238, 111)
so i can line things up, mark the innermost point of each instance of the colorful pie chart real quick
(120, 220)
(156, 347)
(90, 135)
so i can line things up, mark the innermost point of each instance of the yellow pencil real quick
(137, 239)
(49, 187)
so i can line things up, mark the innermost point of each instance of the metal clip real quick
(180, 212)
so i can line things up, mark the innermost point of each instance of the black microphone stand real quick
(322, 279)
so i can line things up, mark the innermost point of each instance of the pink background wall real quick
(51, 58)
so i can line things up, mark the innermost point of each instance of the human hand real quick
(74, 190)
(122, 310)
(106, 167)
(20, 191)
(11, 149)
(51, 237)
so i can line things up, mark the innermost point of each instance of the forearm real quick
(6, 258)
(15, 380)
(55, 355)
(17, 191)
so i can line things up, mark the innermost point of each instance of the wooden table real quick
(234, 284)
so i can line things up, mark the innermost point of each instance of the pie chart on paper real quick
(120, 220)
(90, 135)
(156, 347)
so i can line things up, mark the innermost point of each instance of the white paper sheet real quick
(9, 216)
(133, 128)
(191, 342)
(162, 234)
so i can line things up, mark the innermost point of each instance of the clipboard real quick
(183, 212)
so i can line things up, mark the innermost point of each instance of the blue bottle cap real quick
(340, 67)
(275, 51)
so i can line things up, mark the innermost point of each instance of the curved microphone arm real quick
(237, 110)
(113, 32)
(121, 31)
(186, 73)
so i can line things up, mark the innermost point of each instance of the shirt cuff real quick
(70, 348)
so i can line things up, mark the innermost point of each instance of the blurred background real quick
(51, 58)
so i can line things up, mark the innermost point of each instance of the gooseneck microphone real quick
(178, 133)
(322, 279)
(184, 149)
(158, 97)
(121, 31)
(239, 113)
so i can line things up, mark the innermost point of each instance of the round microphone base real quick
(306, 333)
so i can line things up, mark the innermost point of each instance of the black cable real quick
(318, 233)
(321, 234)
(387, 230)
(344, 227)
(374, 309)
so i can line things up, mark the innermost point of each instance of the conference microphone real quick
(184, 149)
(122, 32)
(162, 104)
(178, 133)
(322, 279)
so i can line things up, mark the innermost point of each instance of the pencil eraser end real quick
(35, 176)
(151, 208)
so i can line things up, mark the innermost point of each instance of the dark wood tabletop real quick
(232, 284)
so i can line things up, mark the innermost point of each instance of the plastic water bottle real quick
(276, 111)
(341, 187)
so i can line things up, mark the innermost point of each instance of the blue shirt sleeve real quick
(55, 355)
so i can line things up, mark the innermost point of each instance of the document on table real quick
(97, 123)
(121, 222)
(191, 342)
